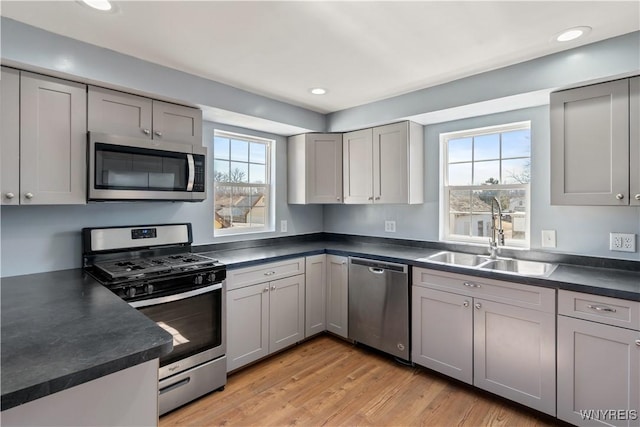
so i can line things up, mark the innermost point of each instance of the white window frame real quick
(445, 188)
(269, 225)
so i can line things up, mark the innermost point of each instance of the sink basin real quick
(456, 258)
(527, 268)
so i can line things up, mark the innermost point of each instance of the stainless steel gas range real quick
(153, 269)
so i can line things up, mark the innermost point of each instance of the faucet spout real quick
(497, 233)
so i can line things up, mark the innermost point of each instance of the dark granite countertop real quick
(62, 329)
(612, 282)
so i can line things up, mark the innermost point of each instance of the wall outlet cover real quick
(283, 226)
(548, 238)
(390, 226)
(622, 242)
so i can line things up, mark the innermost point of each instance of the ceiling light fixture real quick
(103, 5)
(572, 33)
(318, 91)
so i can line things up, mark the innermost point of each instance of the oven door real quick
(134, 169)
(196, 320)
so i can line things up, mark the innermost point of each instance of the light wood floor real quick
(326, 381)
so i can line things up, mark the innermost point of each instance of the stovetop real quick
(154, 265)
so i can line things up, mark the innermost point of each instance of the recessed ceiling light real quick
(103, 5)
(318, 91)
(572, 33)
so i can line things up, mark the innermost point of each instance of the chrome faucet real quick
(494, 242)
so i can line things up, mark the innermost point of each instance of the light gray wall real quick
(47, 238)
(580, 230)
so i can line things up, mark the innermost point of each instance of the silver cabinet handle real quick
(370, 198)
(377, 197)
(471, 285)
(338, 198)
(638, 343)
(477, 305)
(146, 131)
(465, 304)
(273, 288)
(158, 133)
(28, 195)
(637, 196)
(9, 195)
(269, 273)
(602, 308)
(619, 196)
(266, 289)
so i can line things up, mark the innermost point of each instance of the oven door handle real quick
(177, 297)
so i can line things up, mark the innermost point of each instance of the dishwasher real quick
(379, 306)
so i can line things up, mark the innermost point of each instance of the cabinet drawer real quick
(537, 298)
(611, 311)
(264, 273)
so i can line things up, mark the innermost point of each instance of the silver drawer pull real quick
(602, 308)
(269, 273)
(471, 285)
(465, 304)
(638, 343)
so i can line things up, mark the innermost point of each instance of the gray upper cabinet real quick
(384, 164)
(10, 133)
(634, 140)
(46, 164)
(125, 114)
(314, 168)
(590, 145)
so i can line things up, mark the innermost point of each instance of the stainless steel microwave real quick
(128, 169)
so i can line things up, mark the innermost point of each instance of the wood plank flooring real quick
(326, 381)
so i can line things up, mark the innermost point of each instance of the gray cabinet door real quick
(247, 325)
(286, 312)
(10, 134)
(315, 294)
(177, 123)
(442, 332)
(598, 372)
(324, 168)
(390, 163)
(514, 354)
(590, 145)
(357, 157)
(634, 140)
(337, 295)
(53, 141)
(118, 113)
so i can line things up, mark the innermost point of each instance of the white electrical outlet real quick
(390, 226)
(548, 238)
(622, 242)
(283, 226)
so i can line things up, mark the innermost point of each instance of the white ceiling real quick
(360, 51)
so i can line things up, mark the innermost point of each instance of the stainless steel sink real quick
(516, 266)
(483, 262)
(456, 258)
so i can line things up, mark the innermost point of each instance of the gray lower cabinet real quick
(337, 295)
(598, 360)
(496, 335)
(264, 318)
(315, 294)
(590, 144)
(120, 113)
(43, 140)
(634, 141)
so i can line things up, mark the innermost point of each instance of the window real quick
(242, 190)
(481, 164)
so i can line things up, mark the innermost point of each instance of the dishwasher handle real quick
(378, 267)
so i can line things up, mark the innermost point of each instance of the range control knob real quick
(198, 279)
(131, 292)
(148, 289)
(211, 277)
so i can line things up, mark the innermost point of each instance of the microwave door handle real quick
(177, 297)
(192, 172)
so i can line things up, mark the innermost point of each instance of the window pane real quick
(486, 172)
(486, 147)
(514, 208)
(239, 172)
(257, 174)
(220, 147)
(516, 171)
(516, 143)
(459, 212)
(481, 216)
(257, 152)
(239, 150)
(220, 170)
(460, 174)
(459, 150)
(257, 215)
